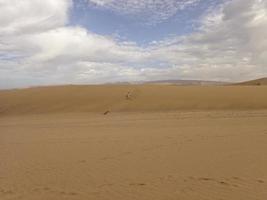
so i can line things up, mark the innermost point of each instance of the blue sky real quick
(98, 41)
(135, 27)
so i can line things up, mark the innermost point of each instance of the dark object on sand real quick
(105, 113)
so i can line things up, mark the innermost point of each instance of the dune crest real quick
(258, 82)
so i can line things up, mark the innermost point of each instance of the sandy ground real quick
(156, 142)
(204, 155)
(143, 98)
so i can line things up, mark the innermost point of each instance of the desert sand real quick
(160, 142)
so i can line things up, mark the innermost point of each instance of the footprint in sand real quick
(260, 181)
(6, 193)
(223, 183)
(137, 184)
(68, 193)
(205, 179)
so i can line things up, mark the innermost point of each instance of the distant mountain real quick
(186, 82)
(261, 81)
(170, 82)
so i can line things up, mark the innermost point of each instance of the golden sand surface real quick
(143, 98)
(161, 143)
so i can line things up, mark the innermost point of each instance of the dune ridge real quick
(102, 98)
(258, 82)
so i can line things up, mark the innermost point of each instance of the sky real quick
(55, 42)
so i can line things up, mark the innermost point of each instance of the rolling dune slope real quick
(258, 82)
(55, 143)
(64, 99)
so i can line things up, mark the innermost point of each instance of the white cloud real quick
(231, 44)
(148, 11)
(27, 16)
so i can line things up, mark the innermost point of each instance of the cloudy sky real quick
(98, 41)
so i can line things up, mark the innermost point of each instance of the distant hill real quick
(186, 82)
(172, 82)
(261, 81)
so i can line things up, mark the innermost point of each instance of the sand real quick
(164, 143)
(144, 98)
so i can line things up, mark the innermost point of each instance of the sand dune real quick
(157, 142)
(258, 82)
(63, 99)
